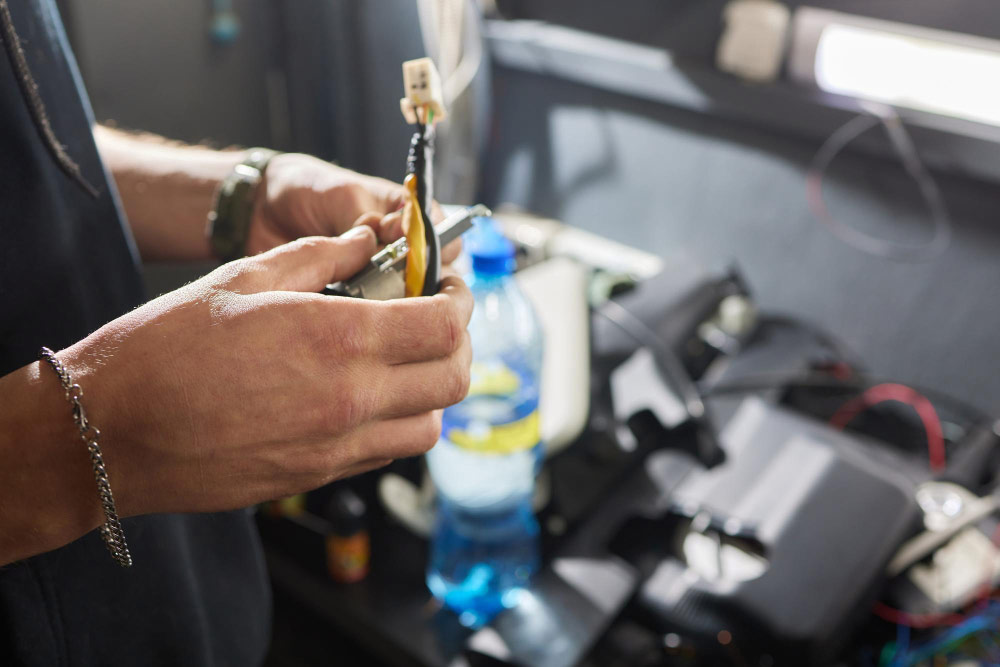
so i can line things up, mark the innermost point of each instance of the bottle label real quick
(506, 438)
(493, 380)
(498, 416)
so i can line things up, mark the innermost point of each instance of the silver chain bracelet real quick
(111, 531)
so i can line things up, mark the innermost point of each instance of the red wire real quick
(881, 393)
(919, 621)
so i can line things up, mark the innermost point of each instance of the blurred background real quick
(701, 131)
(674, 158)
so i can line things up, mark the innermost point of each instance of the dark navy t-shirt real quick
(198, 593)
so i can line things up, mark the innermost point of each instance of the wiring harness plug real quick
(424, 101)
(422, 106)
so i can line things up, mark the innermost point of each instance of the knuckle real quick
(307, 243)
(349, 338)
(351, 341)
(240, 275)
(452, 330)
(316, 334)
(360, 404)
(458, 383)
(428, 432)
(350, 403)
(331, 415)
(347, 410)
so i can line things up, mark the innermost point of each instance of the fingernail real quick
(357, 232)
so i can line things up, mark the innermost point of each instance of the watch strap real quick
(229, 222)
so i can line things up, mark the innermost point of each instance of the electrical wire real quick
(950, 640)
(827, 340)
(887, 654)
(643, 334)
(916, 621)
(882, 393)
(420, 164)
(907, 152)
(857, 382)
(931, 425)
(902, 645)
(673, 372)
(990, 646)
(892, 654)
(926, 621)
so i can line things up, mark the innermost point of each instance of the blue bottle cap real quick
(492, 253)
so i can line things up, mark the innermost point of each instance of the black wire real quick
(420, 163)
(832, 343)
(858, 382)
(672, 370)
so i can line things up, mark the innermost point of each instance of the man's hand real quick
(305, 196)
(168, 190)
(246, 385)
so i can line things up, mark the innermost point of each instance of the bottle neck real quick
(482, 280)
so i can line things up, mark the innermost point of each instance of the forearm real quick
(167, 190)
(48, 497)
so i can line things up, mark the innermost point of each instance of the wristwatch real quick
(229, 223)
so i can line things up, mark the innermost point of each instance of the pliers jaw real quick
(383, 277)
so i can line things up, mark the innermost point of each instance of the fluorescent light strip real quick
(916, 72)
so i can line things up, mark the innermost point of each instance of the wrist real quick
(112, 532)
(112, 405)
(167, 190)
(50, 489)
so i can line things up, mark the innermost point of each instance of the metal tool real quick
(382, 278)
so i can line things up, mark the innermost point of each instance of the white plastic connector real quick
(422, 85)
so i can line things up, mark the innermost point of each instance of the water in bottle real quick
(485, 544)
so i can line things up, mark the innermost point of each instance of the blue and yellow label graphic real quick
(506, 438)
(521, 433)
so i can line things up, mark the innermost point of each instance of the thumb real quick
(308, 264)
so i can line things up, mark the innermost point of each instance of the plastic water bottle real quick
(485, 544)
